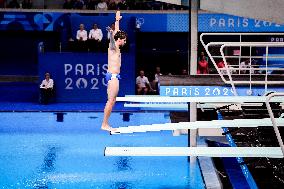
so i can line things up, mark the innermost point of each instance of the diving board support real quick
(271, 152)
(192, 109)
(274, 124)
(192, 133)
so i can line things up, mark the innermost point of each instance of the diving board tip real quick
(272, 152)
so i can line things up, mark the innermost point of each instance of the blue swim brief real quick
(110, 76)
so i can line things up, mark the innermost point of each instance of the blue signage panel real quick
(170, 22)
(32, 21)
(55, 21)
(200, 91)
(145, 22)
(229, 23)
(79, 77)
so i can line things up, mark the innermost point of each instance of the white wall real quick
(267, 10)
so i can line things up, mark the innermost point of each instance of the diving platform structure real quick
(198, 151)
(230, 78)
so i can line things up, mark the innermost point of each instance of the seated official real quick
(46, 89)
(95, 38)
(82, 37)
(143, 84)
(157, 80)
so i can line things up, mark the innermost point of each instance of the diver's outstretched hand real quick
(117, 16)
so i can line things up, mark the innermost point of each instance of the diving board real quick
(200, 125)
(272, 152)
(217, 99)
(170, 106)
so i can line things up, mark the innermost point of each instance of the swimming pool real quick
(42, 150)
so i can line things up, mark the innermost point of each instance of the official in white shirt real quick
(143, 84)
(96, 33)
(157, 80)
(46, 89)
(95, 38)
(82, 37)
(82, 33)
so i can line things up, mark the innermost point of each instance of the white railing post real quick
(250, 71)
(228, 71)
(240, 54)
(266, 66)
(276, 130)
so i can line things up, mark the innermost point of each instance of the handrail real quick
(266, 65)
(257, 57)
(276, 130)
(250, 71)
(221, 33)
(227, 69)
(239, 44)
(212, 59)
(247, 44)
(225, 44)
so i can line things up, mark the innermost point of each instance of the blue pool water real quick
(37, 151)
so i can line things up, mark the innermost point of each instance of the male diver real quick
(117, 40)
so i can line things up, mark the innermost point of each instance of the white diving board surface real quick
(272, 152)
(182, 106)
(217, 99)
(200, 125)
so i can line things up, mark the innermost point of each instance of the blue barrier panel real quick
(197, 91)
(55, 21)
(28, 21)
(19, 92)
(79, 77)
(230, 23)
(169, 22)
(148, 22)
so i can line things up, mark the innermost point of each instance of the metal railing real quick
(228, 69)
(275, 127)
(250, 44)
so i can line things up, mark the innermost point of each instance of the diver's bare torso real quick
(114, 60)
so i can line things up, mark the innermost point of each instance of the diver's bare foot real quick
(108, 128)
